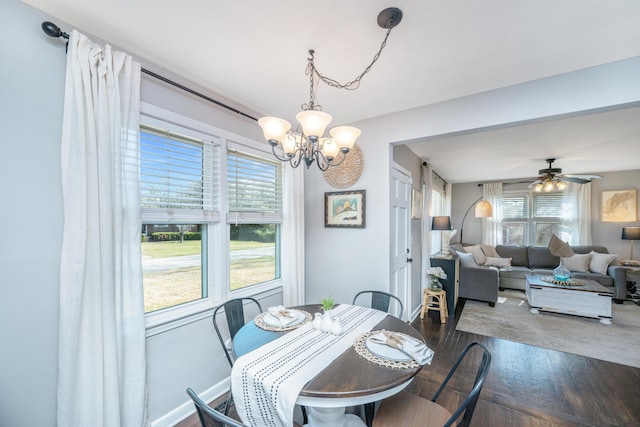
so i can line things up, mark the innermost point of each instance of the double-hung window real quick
(179, 197)
(530, 218)
(254, 218)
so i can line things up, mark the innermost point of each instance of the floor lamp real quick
(441, 223)
(631, 233)
(483, 210)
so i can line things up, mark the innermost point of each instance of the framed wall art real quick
(345, 209)
(619, 206)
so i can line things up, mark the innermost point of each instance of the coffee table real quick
(589, 300)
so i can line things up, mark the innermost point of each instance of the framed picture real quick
(345, 209)
(619, 206)
(416, 204)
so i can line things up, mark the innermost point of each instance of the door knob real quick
(409, 259)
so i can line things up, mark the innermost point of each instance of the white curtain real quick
(293, 290)
(101, 365)
(491, 227)
(427, 185)
(576, 215)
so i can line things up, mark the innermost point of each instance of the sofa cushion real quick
(588, 248)
(600, 262)
(478, 255)
(498, 262)
(518, 254)
(540, 257)
(577, 262)
(489, 250)
(467, 260)
(603, 279)
(517, 272)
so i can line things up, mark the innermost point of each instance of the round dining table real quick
(349, 380)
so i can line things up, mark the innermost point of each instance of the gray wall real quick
(603, 233)
(32, 79)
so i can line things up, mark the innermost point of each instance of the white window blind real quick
(547, 205)
(254, 189)
(515, 206)
(178, 177)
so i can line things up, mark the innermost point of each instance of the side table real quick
(451, 267)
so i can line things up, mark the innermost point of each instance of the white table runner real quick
(266, 382)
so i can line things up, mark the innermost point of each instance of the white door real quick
(401, 238)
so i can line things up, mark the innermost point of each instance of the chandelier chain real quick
(353, 84)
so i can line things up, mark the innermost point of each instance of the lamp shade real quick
(313, 122)
(484, 209)
(345, 136)
(274, 128)
(441, 223)
(630, 233)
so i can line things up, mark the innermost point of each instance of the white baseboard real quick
(178, 414)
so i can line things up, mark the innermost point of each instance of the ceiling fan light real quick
(345, 136)
(313, 123)
(538, 187)
(548, 186)
(561, 185)
(274, 129)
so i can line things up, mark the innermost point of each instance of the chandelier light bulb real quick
(274, 129)
(289, 142)
(313, 123)
(345, 136)
(329, 148)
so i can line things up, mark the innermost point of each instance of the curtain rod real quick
(52, 30)
(436, 174)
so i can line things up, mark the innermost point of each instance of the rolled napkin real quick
(413, 347)
(284, 315)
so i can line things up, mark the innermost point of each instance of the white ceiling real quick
(255, 53)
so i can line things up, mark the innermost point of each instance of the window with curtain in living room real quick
(530, 218)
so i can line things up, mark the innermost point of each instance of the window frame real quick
(531, 221)
(217, 252)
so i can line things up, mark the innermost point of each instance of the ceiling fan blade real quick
(583, 176)
(573, 179)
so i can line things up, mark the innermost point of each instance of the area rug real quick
(512, 320)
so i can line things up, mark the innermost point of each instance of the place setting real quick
(280, 318)
(393, 349)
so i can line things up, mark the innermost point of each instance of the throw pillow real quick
(577, 262)
(559, 248)
(600, 262)
(498, 262)
(489, 250)
(467, 260)
(477, 253)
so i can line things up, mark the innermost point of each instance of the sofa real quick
(508, 266)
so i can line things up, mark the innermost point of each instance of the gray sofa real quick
(482, 283)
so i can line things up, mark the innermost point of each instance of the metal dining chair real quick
(208, 416)
(234, 313)
(407, 409)
(380, 301)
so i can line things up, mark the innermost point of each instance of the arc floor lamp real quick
(483, 210)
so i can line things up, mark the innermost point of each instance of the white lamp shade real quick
(484, 209)
(329, 148)
(313, 122)
(345, 136)
(274, 128)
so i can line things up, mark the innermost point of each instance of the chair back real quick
(234, 313)
(469, 404)
(381, 301)
(208, 416)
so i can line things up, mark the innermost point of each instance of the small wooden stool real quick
(435, 300)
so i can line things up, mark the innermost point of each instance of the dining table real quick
(356, 376)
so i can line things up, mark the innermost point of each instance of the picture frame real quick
(619, 205)
(345, 209)
(416, 204)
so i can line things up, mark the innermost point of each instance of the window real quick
(437, 209)
(178, 188)
(530, 218)
(254, 194)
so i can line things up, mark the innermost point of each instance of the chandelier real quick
(307, 141)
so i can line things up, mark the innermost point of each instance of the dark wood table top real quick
(350, 375)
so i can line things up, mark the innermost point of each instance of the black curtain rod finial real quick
(52, 30)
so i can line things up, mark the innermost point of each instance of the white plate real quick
(386, 352)
(272, 320)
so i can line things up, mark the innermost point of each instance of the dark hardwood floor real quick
(527, 386)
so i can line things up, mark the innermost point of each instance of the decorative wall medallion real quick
(348, 172)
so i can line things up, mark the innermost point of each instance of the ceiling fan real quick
(552, 179)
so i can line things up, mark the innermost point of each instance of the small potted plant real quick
(435, 274)
(327, 322)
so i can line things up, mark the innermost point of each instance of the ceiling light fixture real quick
(307, 142)
(549, 185)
